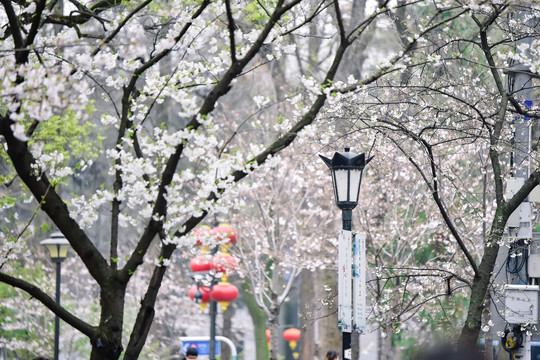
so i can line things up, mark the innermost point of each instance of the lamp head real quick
(346, 168)
(198, 296)
(57, 245)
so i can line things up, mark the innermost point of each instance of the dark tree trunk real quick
(107, 342)
(473, 323)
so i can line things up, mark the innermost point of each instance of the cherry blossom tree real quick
(128, 64)
(451, 113)
(283, 230)
(418, 285)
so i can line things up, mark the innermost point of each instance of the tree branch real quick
(231, 26)
(444, 213)
(222, 88)
(15, 27)
(51, 304)
(53, 204)
(120, 26)
(35, 26)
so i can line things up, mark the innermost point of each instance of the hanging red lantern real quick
(224, 293)
(224, 263)
(199, 265)
(205, 291)
(292, 335)
(224, 233)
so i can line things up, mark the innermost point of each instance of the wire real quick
(517, 260)
(512, 339)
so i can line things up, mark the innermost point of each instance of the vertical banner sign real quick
(345, 281)
(359, 283)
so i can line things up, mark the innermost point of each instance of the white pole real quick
(528, 352)
(227, 341)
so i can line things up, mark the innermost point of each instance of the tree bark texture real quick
(107, 341)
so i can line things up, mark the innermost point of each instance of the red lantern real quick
(267, 332)
(224, 232)
(205, 291)
(224, 293)
(224, 263)
(292, 335)
(199, 264)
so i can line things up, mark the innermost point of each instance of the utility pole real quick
(522, 268)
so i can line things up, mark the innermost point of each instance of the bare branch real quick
(51, 304)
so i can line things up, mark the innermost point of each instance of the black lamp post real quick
(198, 296)
(58, 247)
(346, 168)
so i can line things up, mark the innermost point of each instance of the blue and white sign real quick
(203, 347)
(359, 283)
(345, 296)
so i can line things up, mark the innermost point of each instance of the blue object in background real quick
(203, 347)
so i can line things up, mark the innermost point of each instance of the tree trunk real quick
(320, 326)
(308, 293)
(385, 341)
(259, 322)
(273, 324)
(107, 341)
(488, 338)
(471, 329)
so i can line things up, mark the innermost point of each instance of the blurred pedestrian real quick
(192, 353)
(332, 355)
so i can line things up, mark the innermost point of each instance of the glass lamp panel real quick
(63, 250)
(354, 190)
(341, 184)
(53, 250)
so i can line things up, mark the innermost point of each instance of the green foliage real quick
(259, 320)
(254, 13)
(441, 323)
(67, 136)
(63, 134)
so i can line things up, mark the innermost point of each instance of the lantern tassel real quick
(224, 305)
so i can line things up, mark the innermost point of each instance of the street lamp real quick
(58, 247)
(208, 288)
(346, 169)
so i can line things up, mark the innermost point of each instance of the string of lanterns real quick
(221, 264)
